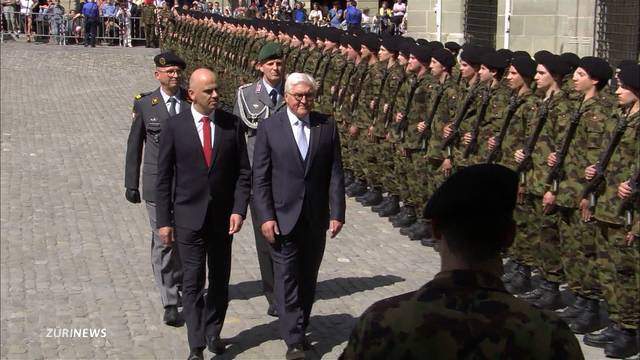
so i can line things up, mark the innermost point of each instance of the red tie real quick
(206, 139)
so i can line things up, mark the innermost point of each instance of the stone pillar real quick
(421, 20)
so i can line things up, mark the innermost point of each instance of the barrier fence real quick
(67, 29)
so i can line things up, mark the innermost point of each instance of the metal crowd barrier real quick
(70, 30)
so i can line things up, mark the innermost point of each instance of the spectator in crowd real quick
(227, 11)
(285, 11)
(216, 8)
(353, 15)
(367, 21)
(384, 16)
(124, 19)
(109, 12)
(399, 9)
(55, 14)
(299, 14)
(209, 9)
(75, 25)
(8, 10)
(315, 16)
(90, 13)
(335, 15)
(42, 25)
(26, 10)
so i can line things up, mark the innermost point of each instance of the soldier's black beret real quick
(487, 191)
(423, 42)
(624, 63)
(333, 35)
(520, 53)
(168, 58)
(372, 42)
(391, 43)
(541, 53)
(472, 55)
(422, 53)
(493, 60)
(597, 68)
(526, 67)
(630, 76)
(571, 59)
(444, 57)
(452, 46)
(436, 45)
(554, 64)
(311, 32)
(505, 54)
(344, 39)
(406, 45)
(270, 51)
(355, 42)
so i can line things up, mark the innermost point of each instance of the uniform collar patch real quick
(155, 101)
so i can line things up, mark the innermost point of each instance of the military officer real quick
(150, 113)
(254, 102)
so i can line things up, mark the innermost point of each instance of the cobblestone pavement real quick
(75, 254)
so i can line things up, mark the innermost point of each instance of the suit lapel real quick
(217, 139)
(316, 131)
(158, 105)
(291, 140)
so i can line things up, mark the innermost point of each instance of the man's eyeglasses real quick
(307, 97)
(174, 72)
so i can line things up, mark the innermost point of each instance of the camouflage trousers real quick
(549, 247)
(420, 173)
(619, 274)
(381, 152)
(401, 167)
(527, 241)
(577, 240)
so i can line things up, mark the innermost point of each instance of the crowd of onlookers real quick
(123, 21)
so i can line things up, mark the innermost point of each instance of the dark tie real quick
(172, 106)
(274, 96)
(206, 140)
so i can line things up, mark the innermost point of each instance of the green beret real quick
(167, 59)
(270, 51)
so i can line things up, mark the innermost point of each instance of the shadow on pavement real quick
(327, 289)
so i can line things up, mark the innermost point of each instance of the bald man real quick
(204, 151)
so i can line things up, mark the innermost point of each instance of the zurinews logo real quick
(75, 333)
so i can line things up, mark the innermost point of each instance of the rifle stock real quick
(496, 152)
(527, 162)
(446, 144)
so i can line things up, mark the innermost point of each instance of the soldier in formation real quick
(412, 112)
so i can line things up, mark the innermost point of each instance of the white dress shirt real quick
(199, 126)
(295, 123)
(166, 97)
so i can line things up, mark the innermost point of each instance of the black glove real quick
(132, 195)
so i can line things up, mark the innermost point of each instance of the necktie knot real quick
(274, 96)
(172, 100)
(204, 119)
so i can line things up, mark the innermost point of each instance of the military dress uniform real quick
(254, 103)
(150, 113)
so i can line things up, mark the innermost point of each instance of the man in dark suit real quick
(150, 113)
(255, 102)
(298, 194)
(204, 151)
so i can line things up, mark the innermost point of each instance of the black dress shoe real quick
(295, 352)
(272, 310)
(216, 345)
(603, 338)
(624, 346)
(171, 316)
(196, 354)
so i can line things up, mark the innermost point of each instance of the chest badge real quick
(155, 101)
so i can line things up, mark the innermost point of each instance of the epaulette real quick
(242, 87)
(141, 95)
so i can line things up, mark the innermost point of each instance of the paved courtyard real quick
(75, 253)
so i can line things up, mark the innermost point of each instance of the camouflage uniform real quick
(346, 107)
(460, 315)
(619, 263)
(148, 13)
(330, 71)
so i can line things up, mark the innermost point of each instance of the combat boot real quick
(521, 281)
(385, 202)
(624, 345)
(422, 231)
(408, 219)
(358, 188)
(407, 230)
(374, 198)
(533, 295)
(430, 242)
(401, 213)
(550, 299)
(588, 320)
(392, 208)
(603, 338)
(573, 310)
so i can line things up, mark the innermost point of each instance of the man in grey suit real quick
(255, 102)
(150, 113)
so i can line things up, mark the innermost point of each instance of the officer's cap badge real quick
(162, 61)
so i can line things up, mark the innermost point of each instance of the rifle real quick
(557, 172)
(340, 98)
(356, 94)
(496, 152)
(448, 142)
(426, 134)
(527, 162)
(334, 96)
(392, 106)
(626, 208)
(376, 103)
(472, 148)
(407, 106)
(601, 166)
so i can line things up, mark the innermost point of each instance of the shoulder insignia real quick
(155, 101)
(141, 95)
(258, 87)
